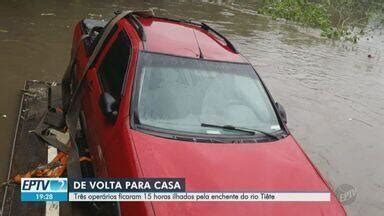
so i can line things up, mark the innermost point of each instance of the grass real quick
(337, 19)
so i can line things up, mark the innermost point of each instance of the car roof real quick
(188, 39)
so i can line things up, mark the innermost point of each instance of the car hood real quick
(279, 166)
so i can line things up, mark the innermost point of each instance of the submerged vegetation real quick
(337, 19)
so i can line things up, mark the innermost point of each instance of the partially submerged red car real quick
(174, 98)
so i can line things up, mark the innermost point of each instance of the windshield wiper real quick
(241, 129)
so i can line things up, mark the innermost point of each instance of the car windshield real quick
(190, 95)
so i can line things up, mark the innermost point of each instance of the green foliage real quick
(300, 11)
(336, 18)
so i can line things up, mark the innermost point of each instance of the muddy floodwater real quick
(332, 91)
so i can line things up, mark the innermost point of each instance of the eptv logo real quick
(39, 185)
(44, 189)
(44, 185)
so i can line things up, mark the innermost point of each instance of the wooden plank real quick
(27, 151)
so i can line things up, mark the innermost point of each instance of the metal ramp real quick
(29, 151)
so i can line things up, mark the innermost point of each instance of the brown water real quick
(333, 93)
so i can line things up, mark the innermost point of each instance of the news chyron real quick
(147, 189)
(98, 189)
(44, 189)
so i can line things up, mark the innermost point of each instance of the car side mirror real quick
(108, 106)
(282, 112)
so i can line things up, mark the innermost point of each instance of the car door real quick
(107, 75)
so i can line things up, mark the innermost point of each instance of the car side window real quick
(113, 68)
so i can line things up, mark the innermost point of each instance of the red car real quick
(174, 98)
